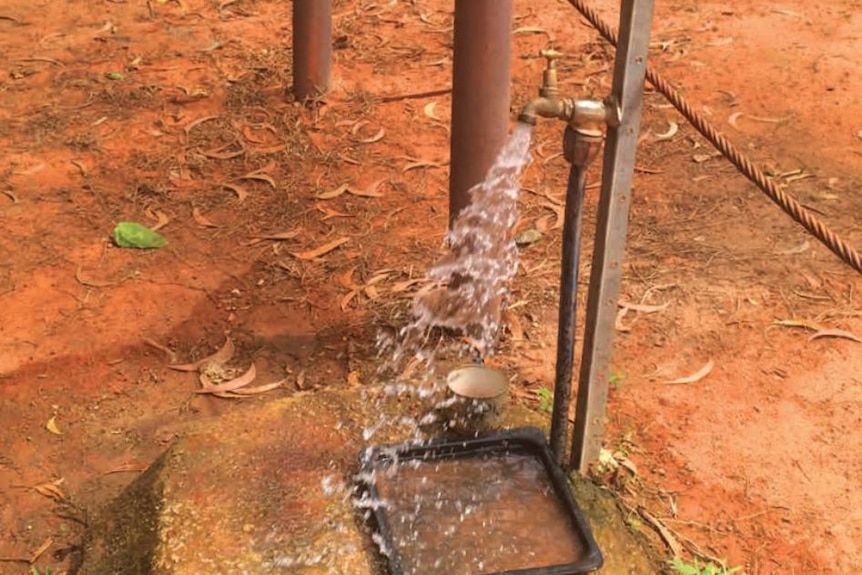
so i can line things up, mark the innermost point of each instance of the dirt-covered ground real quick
(175, 114)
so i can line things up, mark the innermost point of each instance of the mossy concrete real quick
(245, 493)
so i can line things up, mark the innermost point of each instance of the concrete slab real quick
(244, 493)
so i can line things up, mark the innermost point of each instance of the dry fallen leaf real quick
(835, 333)
(618, 322)
(230, 385)
(128, 468)
(420, 164)
(371, 292)
(559, 211)
(353, 379)
(405, 285)
(322, 250)
(801, 248)
(241, 192)
(533, 30)
(644, 308)
(356, 126)
(11, 195)
(673, 128)
(52, 426)
(666, 534)
(172, 356)
(221, 153)
(375, 138)
(543, 223)
(333, 193)
(701, 158)
(511, 321)
(552, 157)
(202, 220)
(768, 120)
(330, 213)
(288, 235)
(795, 176)
(191, 125)
(251, 136)
(51, 489)
(381, 275)
(369, 192)
(300, 380)
(345, 301)
(220, 357)
(804, 323)
(695, 377)
(429, 111)
(161, 219)
(260, 176)
(734, 118)
(79, 275)
(38, 552)
(720, 42)
(244, 391)
(268, 149)
(345, 278)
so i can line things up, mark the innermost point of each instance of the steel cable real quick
(793, 208)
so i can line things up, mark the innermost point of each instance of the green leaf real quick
(132, 235)
(115, 75)
(682, 568)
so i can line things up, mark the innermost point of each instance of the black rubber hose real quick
(575, 191)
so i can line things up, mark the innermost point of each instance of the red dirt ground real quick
(113, 111)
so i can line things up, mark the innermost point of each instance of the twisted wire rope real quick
(791, 206)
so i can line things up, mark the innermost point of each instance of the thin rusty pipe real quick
(481, 76)
(568, 310)
(312, 47)
(579, 149)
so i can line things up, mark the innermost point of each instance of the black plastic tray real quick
(528, 441)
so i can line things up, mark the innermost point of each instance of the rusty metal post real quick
(611, 226)
(481, 76)
(312, 47)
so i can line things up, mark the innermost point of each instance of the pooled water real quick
(469, 516)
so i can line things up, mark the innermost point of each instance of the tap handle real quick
(551, 56)
(549, 75)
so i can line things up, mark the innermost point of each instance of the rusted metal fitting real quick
(580, 147)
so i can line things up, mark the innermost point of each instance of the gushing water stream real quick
(469, 283)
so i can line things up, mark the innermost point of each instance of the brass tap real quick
(585, 116)
(548, 104)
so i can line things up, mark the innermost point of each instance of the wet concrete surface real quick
(262, 490)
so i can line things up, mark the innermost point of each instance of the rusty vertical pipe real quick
(312, 47)
(481, 76)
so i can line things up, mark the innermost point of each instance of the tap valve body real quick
(587, 117)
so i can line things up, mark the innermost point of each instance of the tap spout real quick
(546, 107)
